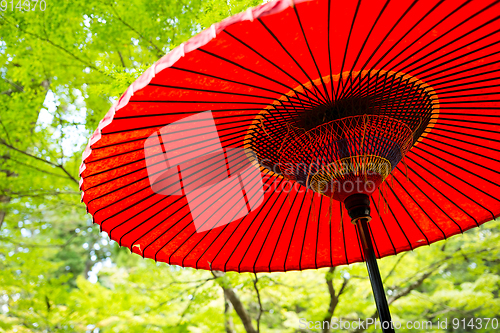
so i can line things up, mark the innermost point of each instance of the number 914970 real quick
(22, 5)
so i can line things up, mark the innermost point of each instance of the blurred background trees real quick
(60, 71)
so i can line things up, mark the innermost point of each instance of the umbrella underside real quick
(199, 163)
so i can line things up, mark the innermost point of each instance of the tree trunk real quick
(231, 295)
(3, 200)
(228, 320)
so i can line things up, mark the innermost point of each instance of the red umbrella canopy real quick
(236, 150)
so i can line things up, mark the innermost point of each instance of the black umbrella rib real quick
(276, 66)
(450, 185)
(441, 119)
(431, 76)
(216, 224)
(341, 81)
(161, 222)
(323, 98)
(224, 228)
(247, 69)
(441, 193)
(305, 231)
(334, 93)
(209, 91)
(144, 210)
(463, 169)
(463, 149)
(257, 176)
(251, 116)
(164, 233)
(432, 79)
(235, 229)
(144, 178)
(234, 135)
(465, 114)
(441, 35)
(406, 34)
(270, 199)
(419, 206)
(201, 102)
(439, 64)
(386, 89)
(396, 43)
(468, 102)
(137, 214)
(293, 230)
(349, 77)
(459, 133)
(193, 122)
(248, 85)
(446, 92)
(284, 223)
(136, 192)
(478, 107)
(137, 170)
(343, 230)
(257, 214)
(270, 228)
(391, 30)
(463, 141)
(469, 82)
(406, 210)
(257, 231)
(126, 164)
(463, 159)
(393, 216)
(312, 57)
(385, 228)
(466, 127)
(222, 231)
(398, 56)
(317, 234)
(124, 198)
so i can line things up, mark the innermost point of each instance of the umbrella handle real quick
(358, 207)
(375, 279)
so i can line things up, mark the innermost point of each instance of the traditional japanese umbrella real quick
(242, 148)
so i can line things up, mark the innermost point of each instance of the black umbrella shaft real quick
(375, 279)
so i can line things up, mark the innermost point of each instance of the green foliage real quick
(60, 70)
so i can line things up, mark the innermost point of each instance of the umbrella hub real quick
(349, 142)
(352, 155)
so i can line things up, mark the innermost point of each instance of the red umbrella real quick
(239, 149)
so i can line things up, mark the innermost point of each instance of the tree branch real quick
(58, 47)
(393, 269)
(334, 298)
(7, 239)
(60, 166)
(238, 306)
(160, 52)
(258, 298)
